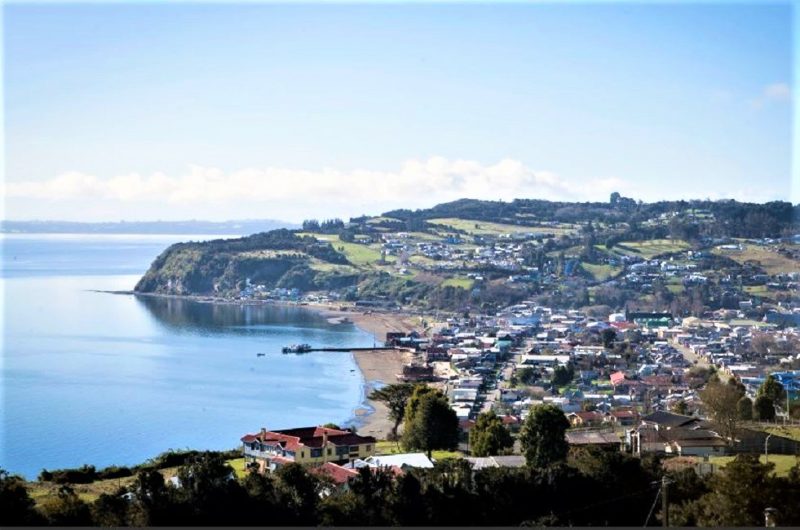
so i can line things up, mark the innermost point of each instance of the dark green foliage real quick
(16, 506)
(525, 375)
(543, 436)
(773, 390)
(745, 408)
(396, 397)
(429, 422)
(763, 409)
(562, 375)
(220, 265)
(489, 436)
(595, 487)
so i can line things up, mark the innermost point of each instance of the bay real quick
(98, 378)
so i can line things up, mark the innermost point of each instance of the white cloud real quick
(417, 183)
(773, 93)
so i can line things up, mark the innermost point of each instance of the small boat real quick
(297, 348)
(260, 354)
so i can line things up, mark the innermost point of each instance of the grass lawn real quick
(783, 463)
(483, 228)
(324, 266)
(464, 283)
(360, 255)
(385, 447)
(238, 466)
(601, 272)
(790, 431)
(771, 262)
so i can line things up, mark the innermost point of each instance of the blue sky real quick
(158, 111)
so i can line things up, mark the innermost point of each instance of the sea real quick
(91, 377)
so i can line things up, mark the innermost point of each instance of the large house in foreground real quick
(305, 445)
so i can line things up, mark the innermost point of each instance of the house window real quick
(302, 454)
(369, 448)
(316, 453)
(353, 448)
(330, 451)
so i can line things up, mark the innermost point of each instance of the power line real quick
(653, 507)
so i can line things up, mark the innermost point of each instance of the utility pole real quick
(665, 501)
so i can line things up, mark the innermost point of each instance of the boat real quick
(297, 348)
(260, 354)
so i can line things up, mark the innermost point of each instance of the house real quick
(622, 417)
(585, 418)
(269, 450)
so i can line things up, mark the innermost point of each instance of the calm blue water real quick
(98, 378)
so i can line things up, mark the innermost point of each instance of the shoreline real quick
(378, 367)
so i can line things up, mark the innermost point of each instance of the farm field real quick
(770, 261)
(601, 272)
(464, 283)
(481, 228)
(649, 249)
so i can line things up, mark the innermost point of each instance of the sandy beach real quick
(377, 366)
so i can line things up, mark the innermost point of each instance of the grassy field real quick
(601, 272)
(464, 283)
(41, 491)
(790, 431)
(360, 255)
(483, 228)
(392, 448)
(324, 266)
(771, 262)
(649, 249)
(783, 463)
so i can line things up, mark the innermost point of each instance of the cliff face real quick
(276, 258)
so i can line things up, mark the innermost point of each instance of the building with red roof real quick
(304, 445)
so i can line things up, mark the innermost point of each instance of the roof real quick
(668, 419)
(293, 439)
(337, 473)
(587, 415)
(401, 460)
(496, 461)
(592, 438)
(617, 378)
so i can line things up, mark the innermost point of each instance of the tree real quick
(609, 335)
(764, 408)
(563, 375)
(722, 401)
(543, 436)
(679, 407)
(745, 408)
(772, 389)
(489, 436)
(739, 495)
(396, 397)
(16, 506)
(430, 423)
(525, 375)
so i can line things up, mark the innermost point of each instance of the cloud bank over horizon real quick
(295, 194)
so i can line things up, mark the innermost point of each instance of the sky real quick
(230, 111)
